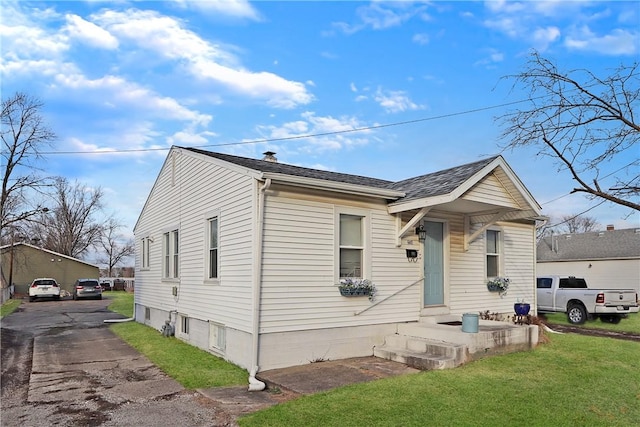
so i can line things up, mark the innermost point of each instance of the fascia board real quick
(420, 203)
(340, 187)
(146, 202)
(253, 173)
(521, 188)
(465, 186)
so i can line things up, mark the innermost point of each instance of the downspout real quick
(255, 384)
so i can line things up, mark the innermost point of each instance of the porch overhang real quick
(485, 214)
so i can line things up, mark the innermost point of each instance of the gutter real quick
(255, 384)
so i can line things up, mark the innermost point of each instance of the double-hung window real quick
(493, 238)
(146, 243)
(212, 247)
(171, 254)
(351, 245)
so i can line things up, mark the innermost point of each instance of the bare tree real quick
(70, 227)
(24, 134)
(115, 248)
(584, 121)
(577, 224)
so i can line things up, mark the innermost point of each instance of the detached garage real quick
(22, 262)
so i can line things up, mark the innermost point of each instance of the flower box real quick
(357, 288)
(493, 288)
(354, 292)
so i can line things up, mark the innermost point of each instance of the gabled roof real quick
(613, 244)
(433, 184)
(284, 169)
(461, 189)
(56, 254)
(441, 182)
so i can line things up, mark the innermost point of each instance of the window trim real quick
(210, 249)
(145, 262)
(217, 337)
(206, 264)
(499, 254)
(171, 254)
(366, 240)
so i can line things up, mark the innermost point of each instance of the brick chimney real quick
(610, 227)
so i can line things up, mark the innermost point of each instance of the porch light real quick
(422, 233)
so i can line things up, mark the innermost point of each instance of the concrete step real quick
(423, 361)
(422, 353)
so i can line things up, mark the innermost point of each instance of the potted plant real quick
(357, 287)
(498, 284)
(521, 307)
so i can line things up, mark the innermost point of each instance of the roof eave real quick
(335, 186)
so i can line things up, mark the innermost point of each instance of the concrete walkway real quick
(289, 383)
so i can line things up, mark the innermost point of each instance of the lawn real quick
(9, 307)
(169, 354)
(630, 324)
(571, 380)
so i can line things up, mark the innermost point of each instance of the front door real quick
(434, 264)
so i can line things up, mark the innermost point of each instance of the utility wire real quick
(313, 135)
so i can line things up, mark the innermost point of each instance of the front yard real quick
(570, 380)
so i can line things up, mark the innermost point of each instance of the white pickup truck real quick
(567, 294)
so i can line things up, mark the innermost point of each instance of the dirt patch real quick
(629, 336)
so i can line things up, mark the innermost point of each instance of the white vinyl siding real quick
(492, 188)
(198, 185)
(300, 269)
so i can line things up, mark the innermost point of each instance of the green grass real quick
(572, 380)
(190, 366)
(9, 307)
(122, 302)
(630, 324)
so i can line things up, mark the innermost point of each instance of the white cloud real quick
(232, 8)
(167, 38)
(117, 92)
(89, 33)
(542, 37)
(395, 101)
(617, 42)
(190, 138)
(311, 124)
(493, 57)
(421, 38)
(383, 15)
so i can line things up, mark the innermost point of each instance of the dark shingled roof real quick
(591, 246)
(438, 183)
(433, 184)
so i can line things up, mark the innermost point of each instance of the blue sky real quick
(145, 75)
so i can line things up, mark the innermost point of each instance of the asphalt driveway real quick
(61, 365)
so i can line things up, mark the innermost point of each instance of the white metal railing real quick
(357, 313)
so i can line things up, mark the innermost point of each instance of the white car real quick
(44, 288)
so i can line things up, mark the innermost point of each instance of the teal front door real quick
(434, 264)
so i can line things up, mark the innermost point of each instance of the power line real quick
(289, 138)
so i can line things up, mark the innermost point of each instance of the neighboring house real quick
(606, 259)
(22, 262)
(245, 255)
